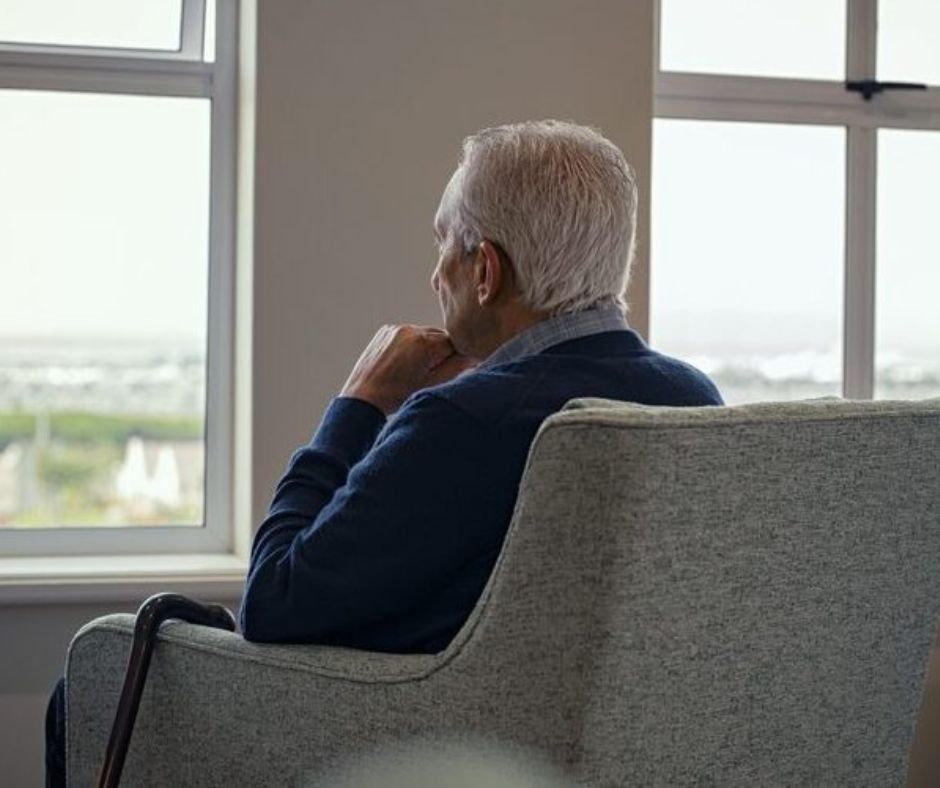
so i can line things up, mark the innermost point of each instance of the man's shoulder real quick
(689, 384)
(461, 412)
(612, 366)
(479, 393)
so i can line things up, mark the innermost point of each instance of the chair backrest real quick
(735, 595)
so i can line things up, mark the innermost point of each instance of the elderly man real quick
(385, 527)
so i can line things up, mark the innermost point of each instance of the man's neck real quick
(559, 328)
(509, 323)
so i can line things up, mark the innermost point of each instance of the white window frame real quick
(162, 73)
(682, 95)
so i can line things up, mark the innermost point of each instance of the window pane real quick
(154, 24)
(908, 47)
(907, 317)
(209, 33)
(769, 38)
(747, 250)
(104, 215)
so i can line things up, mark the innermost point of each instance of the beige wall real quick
(362, 106)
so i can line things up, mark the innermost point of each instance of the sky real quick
(748, 233)
(104, 199)
(152, 24)
(748, 225)
(104, 209)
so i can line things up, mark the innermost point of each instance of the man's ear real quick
(491, 278)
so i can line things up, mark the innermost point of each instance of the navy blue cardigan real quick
(381, 535)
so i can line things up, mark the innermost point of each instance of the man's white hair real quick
(560, 199)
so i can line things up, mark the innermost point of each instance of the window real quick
(117, 129)
(793, 252)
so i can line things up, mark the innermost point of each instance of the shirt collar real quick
(560, 328)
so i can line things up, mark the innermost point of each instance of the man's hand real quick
(399, 361)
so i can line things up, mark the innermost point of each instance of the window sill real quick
(80, 579)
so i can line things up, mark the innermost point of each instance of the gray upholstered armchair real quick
(734, 596)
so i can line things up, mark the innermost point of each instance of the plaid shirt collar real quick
(554, 330)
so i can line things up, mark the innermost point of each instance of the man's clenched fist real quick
(399, 361)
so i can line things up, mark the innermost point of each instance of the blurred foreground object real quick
(445, 764)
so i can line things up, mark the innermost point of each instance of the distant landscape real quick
(101, 434)
(112, 433)
(787, 376)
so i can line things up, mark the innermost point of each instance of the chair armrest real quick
(216, 705)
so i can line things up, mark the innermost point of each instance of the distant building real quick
(160, 474)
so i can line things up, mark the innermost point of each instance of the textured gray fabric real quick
(720, 596)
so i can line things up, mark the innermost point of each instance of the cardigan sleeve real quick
(353, 540)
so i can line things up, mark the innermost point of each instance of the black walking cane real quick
(151, 615)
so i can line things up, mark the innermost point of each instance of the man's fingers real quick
(438, 345)
(400, 359)
(450, 358)
(439, 354)
(449, 368)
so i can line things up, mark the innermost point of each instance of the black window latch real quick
(869, 87)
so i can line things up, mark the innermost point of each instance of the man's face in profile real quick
(452, 279)
(453, 284)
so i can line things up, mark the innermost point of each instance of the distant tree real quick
(59, 471)
(90, 427)
(16, 426)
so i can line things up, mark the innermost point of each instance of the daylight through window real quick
(116, 148)
(793, 251)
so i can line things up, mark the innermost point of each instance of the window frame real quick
(725, 97)
(192, 29)
(180, 73)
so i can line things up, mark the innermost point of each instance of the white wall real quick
(362, 105)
